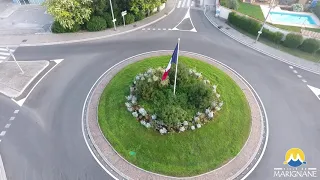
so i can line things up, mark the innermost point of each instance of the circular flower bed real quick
(196, 93)
(192, 152)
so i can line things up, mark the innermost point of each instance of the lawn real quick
(179, 154)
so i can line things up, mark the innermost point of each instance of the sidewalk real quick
(50, 39)
(267, 50)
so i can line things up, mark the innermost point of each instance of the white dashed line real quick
(16, 111)
(169, 29)
(290, 67)
(303, 80)
(154, 29)
(2, 133)
(295, 71)
(299, 76)
(12, 118)
(179, 4)
(184, 2)
(7, 126)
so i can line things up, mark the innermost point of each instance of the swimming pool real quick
(281, 17)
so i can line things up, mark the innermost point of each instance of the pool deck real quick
(265, 9)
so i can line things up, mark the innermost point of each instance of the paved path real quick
(280, 55)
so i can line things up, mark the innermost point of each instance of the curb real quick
(100, 37)
(261, 145)
(259, 50)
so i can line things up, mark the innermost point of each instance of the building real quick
(22, 2)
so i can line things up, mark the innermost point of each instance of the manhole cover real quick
(24, 40)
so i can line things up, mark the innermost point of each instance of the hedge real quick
(293, 40)
(96, 23)
(310, 45)
(57, 28)
(141, 15)
(275, 37)
(129, 18)
(108, 18)
(247, 24)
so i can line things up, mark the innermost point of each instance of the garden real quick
(198, 129)
(95, 15)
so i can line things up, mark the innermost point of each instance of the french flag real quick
(173, 59)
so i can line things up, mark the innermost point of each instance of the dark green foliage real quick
(99, 7)
(316, 10)
(172, 115)
(310, 45)
(129, 18)
(141, 15)
(57, 28)
(200, 95)
(275, 37)
(96, 23)
(293, 40)
(247, 24)
(184, 77)
(108, 18)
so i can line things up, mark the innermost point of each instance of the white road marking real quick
(16, 111)
(179, 4)
(192, 3)
(312, 168)
(303, 80)
(290, 67)
(295, 71)
(315, 90)
(2, 133)
(7, 126)
(12, 118)
(3, 175)
(6, 50)
(5, 53)
(154, 29)
(299, 76)
(159, 29)
(188, 3)
(277, 168)
(184, 3)
(3, 57)
(21, 101)
(169, 29)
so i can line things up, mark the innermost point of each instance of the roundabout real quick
(203, 147)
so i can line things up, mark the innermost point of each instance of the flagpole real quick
(175, 77)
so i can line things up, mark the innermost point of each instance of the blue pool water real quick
(281, 17)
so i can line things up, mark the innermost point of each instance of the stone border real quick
(234, 169)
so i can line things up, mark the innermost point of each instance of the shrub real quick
(172, 115)
(293, 40)
(310, 45)
(129, 18)
(96, 23)
(247, 24)
(141, 15)
(316, 10)
(275, 37)
(200, 95)
(108, 18)
(297, 7)
(57, 28)
(232, 4)
(183, 78)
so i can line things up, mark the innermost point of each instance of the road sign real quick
(123, 13)
(114, 20)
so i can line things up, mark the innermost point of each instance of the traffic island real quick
(135, 139)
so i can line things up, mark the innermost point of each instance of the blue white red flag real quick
(173, 59)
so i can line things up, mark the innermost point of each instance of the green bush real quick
(57, 28)
(108, 18)
(141, 15)
(297, 7)
(275, 37)
(172, 115)
(247, 24)
(316, 10)
(200, 95)
(232, 4)
(293, 40)
(129, 18)
(310, 45)
(96, 23)
(184, 77)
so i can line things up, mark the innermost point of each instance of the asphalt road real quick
(45, 141)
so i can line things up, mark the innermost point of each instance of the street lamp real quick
(113, 19)
(260, 32)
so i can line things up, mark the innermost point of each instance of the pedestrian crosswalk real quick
(5, 53)
(185, 3)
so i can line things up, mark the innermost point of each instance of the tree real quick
(69, 12)
(99, 7)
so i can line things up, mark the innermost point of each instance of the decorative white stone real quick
(154, 117)
(163, 130)
(207, 111)
(221, 104)
(146, 74)
(137, 77)
(191, 71)
(198, 125)
(155, 78)
(130, 109)
(218, 95)
(218, 108)
(135, 114)
(142, 111)
(182, 129)
(142, 78)
(150, 71)
(185, 123)
(129, 97)
(199, 113)
(134, 99)
(193, 128)
(210, 115)
(131, 89)
(198, 75)
(147, 125)
(134, 82)
(214, 104)
(128, 104)
(196, 119)
(149, 80)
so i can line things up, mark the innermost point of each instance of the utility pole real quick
(260, 32)
(113, 19)
(14, 58)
